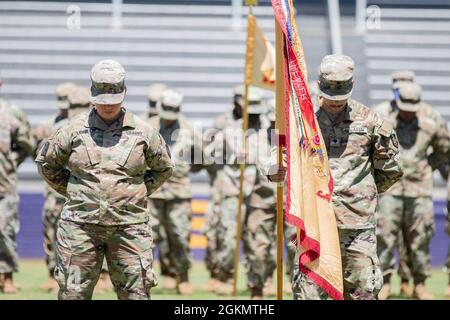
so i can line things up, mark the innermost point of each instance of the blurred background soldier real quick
(384, 109)
(171, 205)
(260, 218)
(212, 217)
(160, 238)
(408, 205)
(153, 97)
(399, 78)
(43, 131)
(16, 145)
(288, 230)
(314, 93)
(227, 145)
(54, 202)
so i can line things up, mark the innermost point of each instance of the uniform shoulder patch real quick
(44, 149)
(385, 129)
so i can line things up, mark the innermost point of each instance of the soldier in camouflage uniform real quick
(260, 217)
(226, 150)
(363, 156)
(105, 162)
(160, 238)
(15, 139)
(408, 205)
(14, 118)
(210, 230)
(399, 78)
(154, 96)
(53, 201)
(288, 230)
(171, 204)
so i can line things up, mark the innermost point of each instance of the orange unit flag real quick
(260, 58)
(308, 181)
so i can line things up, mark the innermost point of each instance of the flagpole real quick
(280, 101)
(250, 31)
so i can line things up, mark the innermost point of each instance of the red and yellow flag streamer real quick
(309, 183)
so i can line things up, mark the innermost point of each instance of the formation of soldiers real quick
(118, 187)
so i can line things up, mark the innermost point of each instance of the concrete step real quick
(426, 80)
(379, 65)
(398, 38)
(408, 53)
(409, 26)
(128, 35)
(80, 75)
(86, 61)
(171, 9)
(157, 22)
(414, 13)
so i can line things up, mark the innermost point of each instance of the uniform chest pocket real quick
(130, 155)
(85, 154)
(358, 140)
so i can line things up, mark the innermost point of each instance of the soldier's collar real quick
(124, 121)
(344, 115)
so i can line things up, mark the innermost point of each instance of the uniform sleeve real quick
(39, 134)
(197, 152)
(270, 165)
(22, 143)
(385, 156)
(159, 163)
(23, 151)
(441, 145)
(52, 158)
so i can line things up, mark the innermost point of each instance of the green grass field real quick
(33, 273)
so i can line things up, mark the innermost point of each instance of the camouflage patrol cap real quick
(108, 82)
(255, 105)
(271, 112)
(154, 94)
(80, 96)
(400, 77)
(170, 104)
(238, 91)
(409, 97)
(336, 77)
(62, 92)
(155, 90)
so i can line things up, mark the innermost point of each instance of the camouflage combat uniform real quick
(399, 77)
(15, 144)
(363, 156)
(226, 146)
(259, 232)
(289, 232)
(171, 204)
(106, 172)
(212, 217)
(160, 237)
(408, 205)
(53, 201)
